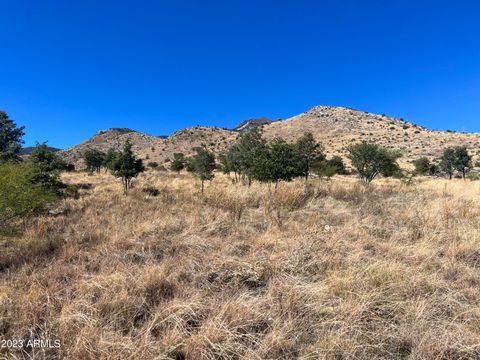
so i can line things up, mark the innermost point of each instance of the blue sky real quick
(70, 68)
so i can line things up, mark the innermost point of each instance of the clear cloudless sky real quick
(71, 68)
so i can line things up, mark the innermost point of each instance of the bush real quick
(422, 165)
(126, 166)
(94, 159)
(151, 190)
(370, 159)
(46, 167)
(20, 197)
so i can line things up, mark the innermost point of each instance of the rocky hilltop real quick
(252, 123)
(336, 127)
(106, 139)
(149, 147)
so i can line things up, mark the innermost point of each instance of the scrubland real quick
(336, 270)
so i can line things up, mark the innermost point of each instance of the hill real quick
(28, 150)
(106, 139)
(336, 127)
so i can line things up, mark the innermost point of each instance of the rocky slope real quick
(252, 123)
(152, 148)
(335, 127)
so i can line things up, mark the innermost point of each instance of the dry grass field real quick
(336, 271)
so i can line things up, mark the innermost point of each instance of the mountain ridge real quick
(335, 126)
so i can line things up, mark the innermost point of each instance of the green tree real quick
(203, 164)
(10, 138)
(324, 168)
(337, 163)
(94, 159)
(370, 159)
(189, 164)
(109, 159)
(126, 166)
(234, 160)
(282, 159)
(433, 170)
(250, 148)
(308, 151)
(329, 168)
(447, 162)
(422, 166)
(224, 165)
(275, 163)
(463, 161)
(178, 163)
(46, 167)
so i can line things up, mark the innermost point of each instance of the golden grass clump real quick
(331, 270)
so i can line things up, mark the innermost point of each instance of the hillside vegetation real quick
(334, 271)
(335, 127)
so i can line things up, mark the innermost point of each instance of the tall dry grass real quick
(334, 271)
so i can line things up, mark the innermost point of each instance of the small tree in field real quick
(109, 159)
(126, 166)
(324, 169)
(328, 168)
(337, 162)
(203, 164)
(282, 157)
(308, 151)
(249, 149)
(463, 161)
(447, 162)
(275, 163)
(422, 166)
(178, 163)
(233, 160)
(94, 160)
(46, 167)
(10, 138)
(370, 159)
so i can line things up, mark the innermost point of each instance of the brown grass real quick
(334, 271)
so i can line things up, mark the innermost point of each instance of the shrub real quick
(307, 152)
(126, 166)
(109, 158)
(19, 196)
(151, 190)
(178, 162)
(46, 167)
(447, 162)
(422, 166)
(203, 164)
(463, 160)
(370, 159)
(94, 159)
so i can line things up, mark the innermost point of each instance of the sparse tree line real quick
(121, 163)
(252, 158)
(27, 185)
(453, 161)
